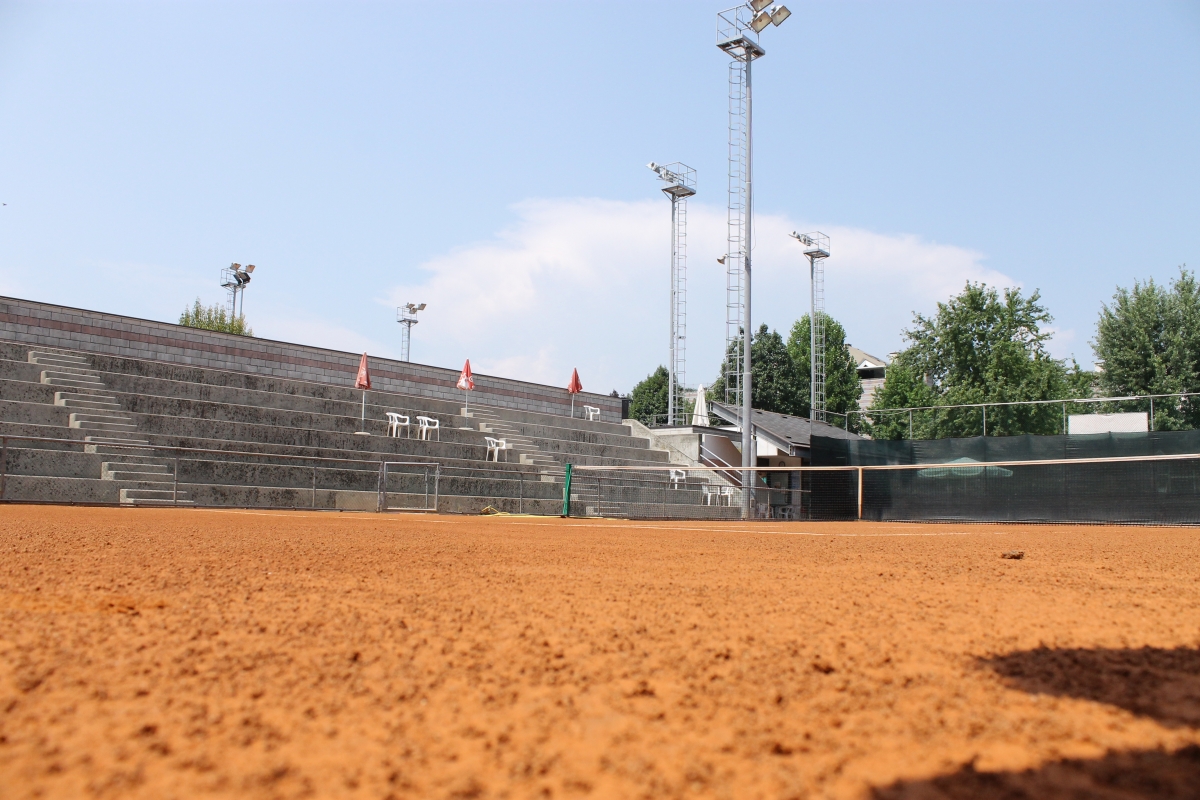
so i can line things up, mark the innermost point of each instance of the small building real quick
(871, 373)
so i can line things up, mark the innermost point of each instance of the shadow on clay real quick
(1161, 684)
(1148, 681)
(1134, 775)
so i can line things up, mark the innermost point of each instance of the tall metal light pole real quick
(816, 248)
(737, 35)
(680, 180)
(234, 280)
(406, 315)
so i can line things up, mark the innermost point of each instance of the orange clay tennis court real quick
(156, 653)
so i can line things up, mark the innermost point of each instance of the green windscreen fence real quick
(1119, 477)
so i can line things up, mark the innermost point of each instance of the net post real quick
(567, 492)
(860, 491)
(381, 488)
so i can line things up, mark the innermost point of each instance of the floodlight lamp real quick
(779, 14)
(421, 307)
(249, 268)
(653, 166)
(759, 5)
(235, 266)
(761, 20)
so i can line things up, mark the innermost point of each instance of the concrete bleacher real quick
(281, 441)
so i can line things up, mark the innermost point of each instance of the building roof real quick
(864, 360)
(789, 433)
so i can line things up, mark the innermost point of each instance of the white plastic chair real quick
(592, 413)
(428, 424)
(678, 476)
(396, 422)
(494, 447)
(709, 493)
(727, 492)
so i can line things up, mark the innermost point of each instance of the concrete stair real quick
(89, 402)
(523, 447)
(155, 497)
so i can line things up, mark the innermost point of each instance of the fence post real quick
(3, 465)
(860, 491)
(910, 423)
(520, 492)
(567, 493)
(314, 487)
(1151, 413)
(1064, 419)
(175, 484)
(437, 476)
(985, 420)
(380, 499)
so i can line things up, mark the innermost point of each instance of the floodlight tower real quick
(816, 248)
(406, 315)
(737, 35)
(234, 280)
(680, 180)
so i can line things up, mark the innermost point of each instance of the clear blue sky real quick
(488, 158)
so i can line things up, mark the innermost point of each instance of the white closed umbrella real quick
(700, 412)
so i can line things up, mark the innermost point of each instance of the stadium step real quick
(96, 402)
(58, 379)
(96, 444)
(158, 497)
(68, 370)
(136, 471)
(104, 425)
(58, 359)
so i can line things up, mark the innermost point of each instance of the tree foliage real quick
(648, 402)
(781, 370)
(842, 385)
(1149, 341)
(214, 318)
(979, 347)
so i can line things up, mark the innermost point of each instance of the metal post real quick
(671, 354)
(1064, 419)
(3, 465)
(426, 487)
(1151, 413)
(910, 423)
(985, 420)
(437, 474)
(314, 487)
(520, 492)
(567, 492)
(747, 380)
(175, 484)
(812, 338)
(380, 500)
(860, 491)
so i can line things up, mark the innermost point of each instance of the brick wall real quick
(47, 325)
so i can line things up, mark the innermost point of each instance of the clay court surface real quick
(187, 653)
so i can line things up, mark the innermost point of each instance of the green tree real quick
(648, 402)
(979, 347)
(1149, 341)
(213, 318)
(842, 386)
(776, 384)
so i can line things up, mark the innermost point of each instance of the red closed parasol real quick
(574, 388)
(466, 383)
(363, 382)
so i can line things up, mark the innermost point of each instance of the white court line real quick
(608, 523)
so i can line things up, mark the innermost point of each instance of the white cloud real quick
(584, 283)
